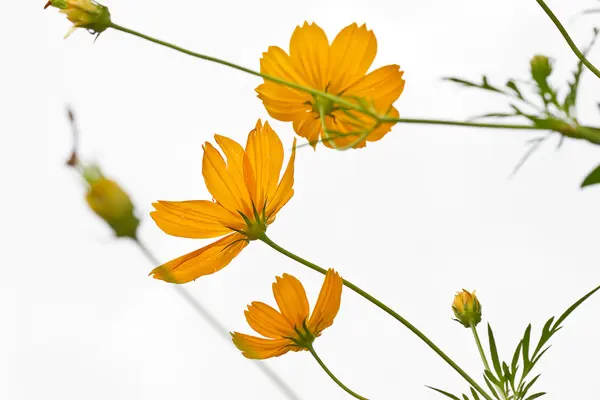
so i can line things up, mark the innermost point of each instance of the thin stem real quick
(332, 376)
(484, 358)
(568, 39)
(385, 308)
(318, 93)
(217, 326)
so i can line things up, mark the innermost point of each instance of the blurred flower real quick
(290, 329)
(85, 14)
(106, 198)
(541, 67)
(467, 308)
(339, 69)
(247, 197)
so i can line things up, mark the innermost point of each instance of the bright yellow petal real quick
(262, 164)
(344, 131)
(350, 56)
(267, 321)
(291, 299)
(196, 219)
(328, 303)
(221, 183)
(381, 87)
(309, 53)
(259, 349)
(204, 261)
(234, 153)
(285, 189)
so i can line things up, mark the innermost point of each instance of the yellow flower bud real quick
(467, 308)
(85, 14)
(106, 198)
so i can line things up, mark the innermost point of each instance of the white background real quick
(413, 218)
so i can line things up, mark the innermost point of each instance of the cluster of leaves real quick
(550, 111)
(514, 379)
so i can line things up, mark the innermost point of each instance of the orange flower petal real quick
(196, 219)
(309, 53)
(204, 261)
(309, 127)
(291, 299)
(267, 321)
(221, 183)
(328, 303)
(234, 154)
(262, 163)
(259, 348)
(350, 56)
(382, 87)
(284, 190)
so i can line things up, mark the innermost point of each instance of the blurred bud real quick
(467, 308)
(106, 198)
(85, 14)
(541, 68)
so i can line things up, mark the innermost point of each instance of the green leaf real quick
(513, 86)
(492, 378)
(537, 358)
(494, 353)
(484, 85)
(515, 359)
(489, 384)
(492, 115)
(450, 395)
(570, 99)
(465, 397)
(507, 375)
(535, 396)
(475, 395)
(569, 310)
(593, 178)
(525, 346)
(529, 385)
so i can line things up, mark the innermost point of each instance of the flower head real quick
(467, 308)
(247, 196)
(106, 198)
(85, 14)
(339, 69)
(291, 328)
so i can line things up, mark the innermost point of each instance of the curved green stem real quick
(332, 376)
(318, 93)
(568, 39)
(385, 308)
(484, 358)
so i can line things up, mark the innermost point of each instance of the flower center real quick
(323, 106)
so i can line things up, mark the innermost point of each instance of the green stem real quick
(385, 308)
(332, 376)
(568, 39)
(318, 93)
(484, 358)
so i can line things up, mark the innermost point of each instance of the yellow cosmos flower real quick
(247, 196)
(291, 329)
(83, 14)
(340, 69)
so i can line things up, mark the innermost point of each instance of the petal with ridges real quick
(267, 321)
(204, 261)
(291, 299)
(234, 154)
(195, 219)
(381, 87)
(309, 53)
(285, 189)
(259, 349)
(350, 56)
(328, 303)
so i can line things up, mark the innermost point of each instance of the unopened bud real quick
(467, 308)
(541, 68)
(106, 198)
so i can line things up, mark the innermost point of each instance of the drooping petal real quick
(259, 349)
(328, 303)
(267, 321)
(262, 164)
(381, 87)
(204, 261)
(291, 299)
(350, 56)
(285, 189)
(309, 127)
(220, 182)
(196, 219)
(309, 53)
